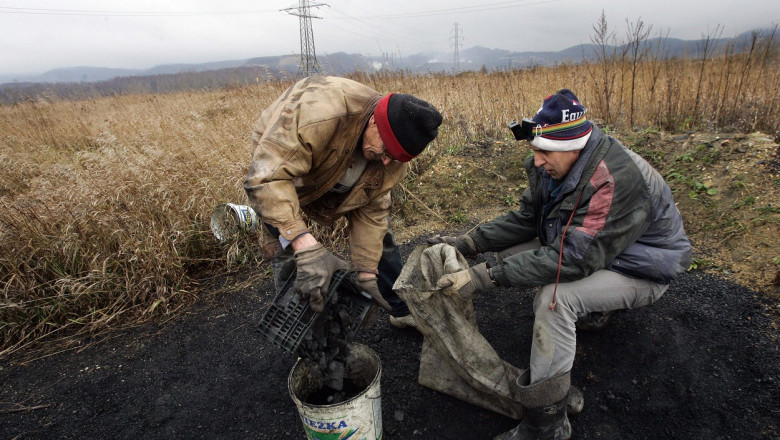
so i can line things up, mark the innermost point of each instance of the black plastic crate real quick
(288, 321)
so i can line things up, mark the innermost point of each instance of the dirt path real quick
(699, 364)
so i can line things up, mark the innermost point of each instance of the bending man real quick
(332, 147)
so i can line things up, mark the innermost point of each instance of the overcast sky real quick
(38, 35)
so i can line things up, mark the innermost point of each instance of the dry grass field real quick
(105, 203)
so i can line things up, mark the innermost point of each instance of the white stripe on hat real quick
(546, 144)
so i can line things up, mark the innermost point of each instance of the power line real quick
(372, 30)
(88, 12)
(413, 35)
(464, 9)
(102, 13)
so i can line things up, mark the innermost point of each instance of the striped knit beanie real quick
(561, 123)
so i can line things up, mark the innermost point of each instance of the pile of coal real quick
(327, 344)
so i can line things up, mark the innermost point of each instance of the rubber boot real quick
(544, 410)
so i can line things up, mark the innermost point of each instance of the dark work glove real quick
(316, 266)
(369, 286)
(463, 243)
(466, 283)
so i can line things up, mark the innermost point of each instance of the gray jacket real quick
(624, 220)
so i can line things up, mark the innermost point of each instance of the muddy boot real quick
(593, 321)
(544, 410)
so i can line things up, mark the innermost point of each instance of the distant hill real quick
(176, 76)
(94, 74)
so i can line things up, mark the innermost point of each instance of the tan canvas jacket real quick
(303, 143)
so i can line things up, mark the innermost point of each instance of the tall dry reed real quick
(105, 203)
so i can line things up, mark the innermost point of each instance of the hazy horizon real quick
(42, 35)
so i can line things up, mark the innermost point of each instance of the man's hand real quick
(463, 243)
(316, 266)
(369, 286)
(466, 283)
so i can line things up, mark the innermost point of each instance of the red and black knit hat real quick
(406, 124)
(561, 123)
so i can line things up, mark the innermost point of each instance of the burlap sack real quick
(456, 359)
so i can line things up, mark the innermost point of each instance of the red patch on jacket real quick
(600, 202)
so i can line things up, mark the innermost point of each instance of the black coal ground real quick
(702, 363)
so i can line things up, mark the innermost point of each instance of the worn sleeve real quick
(283, 151)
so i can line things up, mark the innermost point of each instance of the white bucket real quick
(229, 218)
(357, 418)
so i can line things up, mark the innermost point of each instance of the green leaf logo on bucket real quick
(324, 430)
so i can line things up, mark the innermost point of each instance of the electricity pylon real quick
(308, 64)
(457, 39)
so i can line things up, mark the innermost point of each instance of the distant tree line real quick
(152, 84)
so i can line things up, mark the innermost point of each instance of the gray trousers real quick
(554, 340)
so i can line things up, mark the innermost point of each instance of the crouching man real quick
(331, 147)
(597, 231)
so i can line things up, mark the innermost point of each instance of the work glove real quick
(316, 266)
(463, 243)
(369, 286)
(466, 283)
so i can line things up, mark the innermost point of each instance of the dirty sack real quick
(455, 359)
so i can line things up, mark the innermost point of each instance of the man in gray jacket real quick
(597, 231)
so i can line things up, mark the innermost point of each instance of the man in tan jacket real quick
(331, 147)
